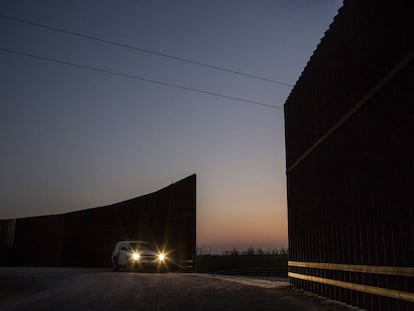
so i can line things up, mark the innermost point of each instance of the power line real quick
(78, 34)
(114, 73)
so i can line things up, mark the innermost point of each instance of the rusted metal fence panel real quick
(349, 139)
(166, 218)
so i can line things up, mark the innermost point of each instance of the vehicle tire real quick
(115, 265)
(129, 266)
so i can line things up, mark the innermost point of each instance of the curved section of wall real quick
(167, 218)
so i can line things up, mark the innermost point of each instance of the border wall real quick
(349, 124)
(166, 218)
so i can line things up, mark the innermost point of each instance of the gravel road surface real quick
(99, 289)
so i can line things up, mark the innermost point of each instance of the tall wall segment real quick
(349, 156)
(166, 218)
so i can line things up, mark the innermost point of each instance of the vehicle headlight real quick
(161, 257)
(135, 256)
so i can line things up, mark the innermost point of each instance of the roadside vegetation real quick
(270, 262)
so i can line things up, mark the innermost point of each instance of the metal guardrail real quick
(385, 270)
(386, 292)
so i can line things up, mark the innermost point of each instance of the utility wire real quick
(114, 73)
(78, 34)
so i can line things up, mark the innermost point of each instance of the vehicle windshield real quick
(141, 246)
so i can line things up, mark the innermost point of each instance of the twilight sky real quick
(74, 139)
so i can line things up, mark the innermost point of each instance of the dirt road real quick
(98, 289)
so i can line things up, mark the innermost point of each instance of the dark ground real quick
(100, 289)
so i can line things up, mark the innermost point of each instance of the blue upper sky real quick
(74, 139)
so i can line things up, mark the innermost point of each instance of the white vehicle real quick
(137, 255)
